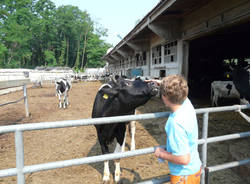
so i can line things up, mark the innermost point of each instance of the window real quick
(156, 55)
(144, 58)
(170, 52)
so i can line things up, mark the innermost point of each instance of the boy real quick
(182, 132)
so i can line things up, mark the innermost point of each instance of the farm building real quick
(191, 38)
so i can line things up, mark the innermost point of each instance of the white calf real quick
(223, 89)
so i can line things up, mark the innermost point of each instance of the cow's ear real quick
(109, 92)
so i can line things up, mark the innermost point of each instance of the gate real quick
(21, 170)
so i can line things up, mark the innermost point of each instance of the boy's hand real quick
(158, 152)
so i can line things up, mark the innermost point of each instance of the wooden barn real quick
(192, 37)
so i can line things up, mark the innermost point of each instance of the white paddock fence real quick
(21, 169)
(35, 75)
(13, 84)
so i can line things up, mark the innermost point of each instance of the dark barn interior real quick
(207, 53)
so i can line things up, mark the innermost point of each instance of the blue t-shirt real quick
(182, 138)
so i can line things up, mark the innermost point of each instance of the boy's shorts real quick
(190, 179)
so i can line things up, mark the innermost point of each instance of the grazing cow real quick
(118, 97)
(62, 89)
(223, 89)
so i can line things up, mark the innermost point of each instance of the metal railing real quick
(21, 170)
(17, 83)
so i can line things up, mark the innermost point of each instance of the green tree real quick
(35, 33)
(50, 59)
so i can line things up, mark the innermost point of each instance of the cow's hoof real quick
(106, 179)
(117, 178)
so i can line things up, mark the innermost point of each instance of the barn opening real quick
(207, 56)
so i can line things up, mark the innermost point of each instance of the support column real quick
(185, 59)
(19, 157)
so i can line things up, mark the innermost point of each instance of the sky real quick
(118, 16)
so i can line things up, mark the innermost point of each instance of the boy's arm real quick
(156, 81)
(163, 154)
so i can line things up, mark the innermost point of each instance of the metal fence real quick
(17, 83)
(21, 170)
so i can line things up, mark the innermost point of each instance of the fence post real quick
(207, 175)
(204, 145)
(19, 156)
(26, 100)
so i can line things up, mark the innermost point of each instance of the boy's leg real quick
(195, 178)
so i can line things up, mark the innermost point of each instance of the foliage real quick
(36, 33)
(50, 58)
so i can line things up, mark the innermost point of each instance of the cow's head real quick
(125, 95)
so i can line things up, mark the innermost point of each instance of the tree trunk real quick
(67, 54)
(77, 62)
(84, 47)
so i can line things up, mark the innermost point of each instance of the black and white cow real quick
(62, 90)
(223, 89)
(241, 80)
(116, 98)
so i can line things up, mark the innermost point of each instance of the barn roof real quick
(165, 10)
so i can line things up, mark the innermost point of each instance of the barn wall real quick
(214, 15)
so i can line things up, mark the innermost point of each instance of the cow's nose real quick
(155, 89)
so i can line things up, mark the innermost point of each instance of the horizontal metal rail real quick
(228, 165)
(107, 120)
(12, 102)
(224, 166)
(81, 122)
(14, 83)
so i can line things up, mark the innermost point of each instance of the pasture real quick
(76, 142)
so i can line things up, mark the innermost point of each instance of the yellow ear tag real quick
(105, 96)
(228, 76)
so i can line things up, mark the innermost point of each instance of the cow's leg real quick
(215, 101)
(67, 101)
(106, 172)
(120, 147)
(105, 150)
(132, 126)
(60, 100)
(64, 100)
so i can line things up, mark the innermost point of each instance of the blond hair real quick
(175, 88)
